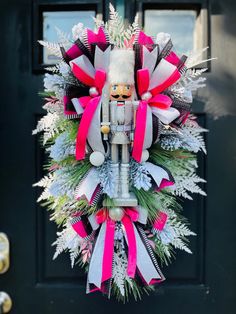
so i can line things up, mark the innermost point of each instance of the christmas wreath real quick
(122, 150)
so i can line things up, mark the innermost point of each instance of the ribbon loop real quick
(160, 101)
(90, 103)
(150, 86)
(140, 128)
(84, 127)
(143, 79)
(100, 79)
(100, 269)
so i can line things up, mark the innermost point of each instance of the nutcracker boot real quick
(124, 180)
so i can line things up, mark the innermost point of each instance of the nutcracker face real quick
(121, 92)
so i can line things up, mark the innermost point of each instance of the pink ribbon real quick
(108, 250)
(160, 221)
(127, 221)
(170, 81)
(130, 216)
(74, 52)
(151, 98)
(84, 127)
(90, 103)
(78, 225)
(139, 133)
(143, 39)
(164, 183)
(173, 58)
(100, 37)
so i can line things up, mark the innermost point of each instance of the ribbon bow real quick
(102, 216)
(95, 79)
(151, 83)
(100, 268)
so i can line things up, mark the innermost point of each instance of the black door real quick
(201, 283)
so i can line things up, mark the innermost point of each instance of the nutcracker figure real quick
(122, 107)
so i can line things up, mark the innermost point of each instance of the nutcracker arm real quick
(105, 123)
(136, 104)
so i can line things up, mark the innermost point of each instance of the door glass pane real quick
(63, 20)
(180, 24)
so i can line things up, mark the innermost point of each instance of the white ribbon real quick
(94, 135)
(149, 59)
(93, 222)
(148, 130)
(166, 116)
(88, 185)
(102, 59)
(161, 73)
(143, 214)
(157, 172)
(84, 63)
(162, 40)
(79, 109)
(95, 265)
(144, 262)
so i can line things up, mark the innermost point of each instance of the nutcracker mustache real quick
(122, 96)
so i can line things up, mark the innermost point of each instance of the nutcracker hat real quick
(121, 67)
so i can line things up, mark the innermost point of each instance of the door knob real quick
(4, 253)
(5, 303)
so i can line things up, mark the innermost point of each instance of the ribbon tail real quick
(160, 221)
(149, 59)
(94, 136)
(102, 58)
(158, 173)
(132, 251)
(83, 70)
(148, 135)
(78, 225)
(143, 214)
(93, 222)
(96, 262)
(143, 79)
(88, 185)
(72, 53)
(164, 75)
(146, 262)
(69, 109)
(84, 127)
(139, 134)
(79, 109)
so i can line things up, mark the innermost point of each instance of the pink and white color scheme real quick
(122, 145)
(126, 126)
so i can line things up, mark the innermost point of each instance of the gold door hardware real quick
(4, 253)
(5, 302)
